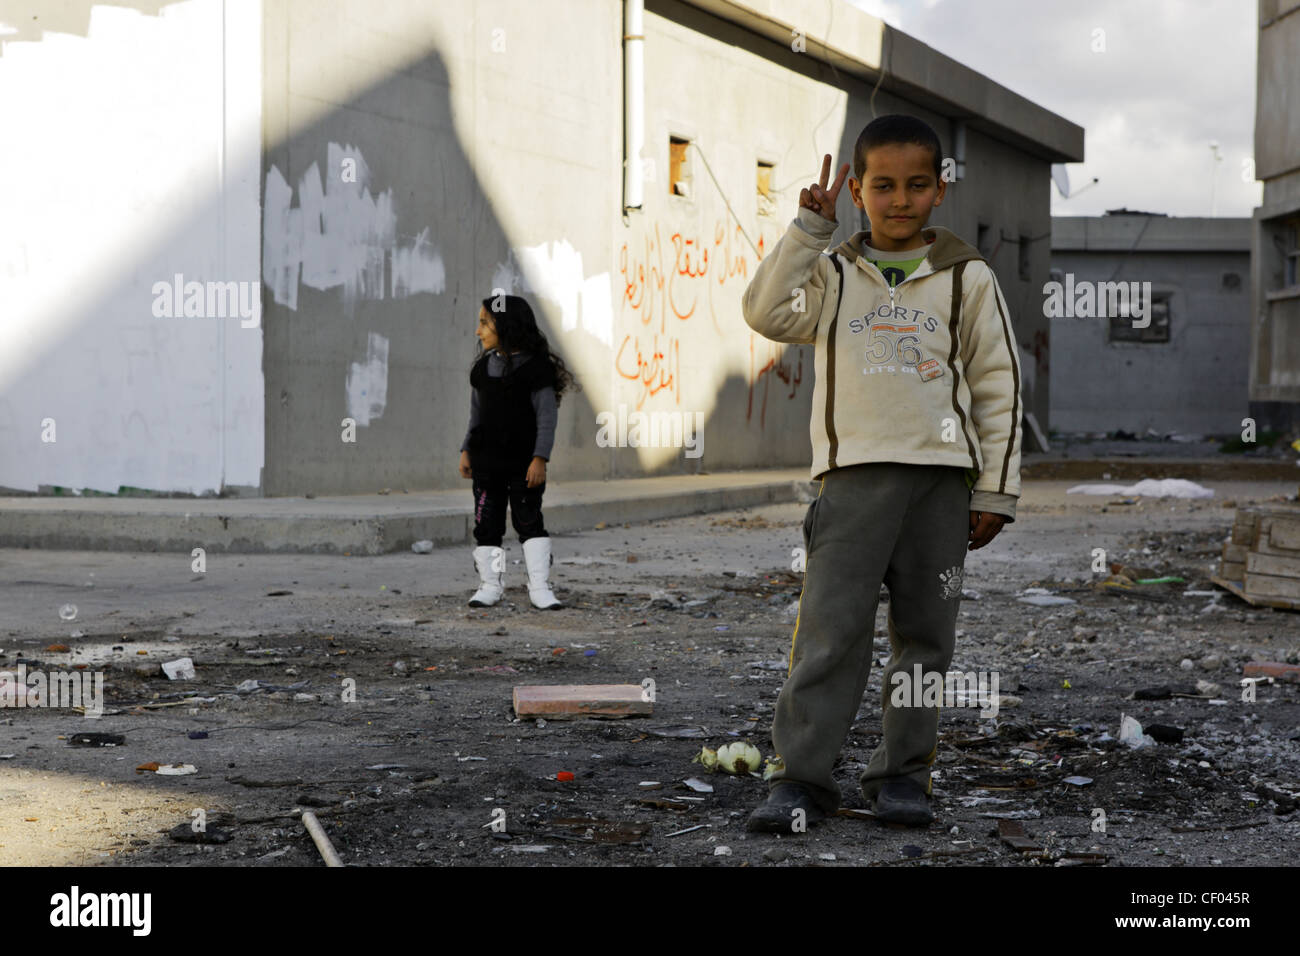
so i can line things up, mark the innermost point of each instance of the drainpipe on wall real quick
(633, 102)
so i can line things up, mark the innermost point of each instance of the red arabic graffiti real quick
(779, 362)
(654, 368)
(680, 278)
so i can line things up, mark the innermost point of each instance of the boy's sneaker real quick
(777, 814)
(903, 800)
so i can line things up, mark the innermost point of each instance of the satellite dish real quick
(1062, 179)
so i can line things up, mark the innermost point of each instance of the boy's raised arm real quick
(785, 299)
(988, 345)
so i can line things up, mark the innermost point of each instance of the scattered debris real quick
(600, 831)
(1164, 733)
(677, 733)
(176, 770)
(1130, 733)
(700, 826)
(1146, 488)
(423, 546)
(1286, 672)
(738, 758)
(181, 669)
(1012, 833)
(698, 785)
(185, 833)
(96, 740)
(1261, 561)
(318, 837)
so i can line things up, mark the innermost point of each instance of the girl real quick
(517, 386)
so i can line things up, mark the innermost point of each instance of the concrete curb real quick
(1041, 468)
(367, 524)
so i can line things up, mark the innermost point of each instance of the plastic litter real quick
(1046, 600)
(1146, 488)
(424, 546)
(1130, 733)
(181, 669)
(698, 785)
(176, 770)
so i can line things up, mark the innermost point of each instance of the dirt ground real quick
(414, 771)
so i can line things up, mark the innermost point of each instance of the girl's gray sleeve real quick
(547, 412)
(474, 415)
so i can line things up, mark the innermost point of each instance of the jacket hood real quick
(947, 248)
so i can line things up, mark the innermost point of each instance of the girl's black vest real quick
(507, 431)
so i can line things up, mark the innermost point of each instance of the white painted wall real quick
(131, 154)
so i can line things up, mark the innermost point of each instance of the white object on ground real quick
(1130, 732)
(1046, 600)
(1147, 488)
(176, 769)
(182, 669)
(424, 546)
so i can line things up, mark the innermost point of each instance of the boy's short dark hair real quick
(896, 128)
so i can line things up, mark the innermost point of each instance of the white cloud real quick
(1173, 76)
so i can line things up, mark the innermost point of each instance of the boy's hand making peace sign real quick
(820, 199)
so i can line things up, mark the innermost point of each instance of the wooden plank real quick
(1235, 553)
(1244, 527)
(1235, 570)
(1279, 565)
(1236, 588)
(1272, 586)
(1285, 533)
(581, 700)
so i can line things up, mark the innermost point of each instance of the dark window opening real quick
(1157, 330)
(766, 197)
(679, 167)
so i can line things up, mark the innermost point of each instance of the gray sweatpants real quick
(905, 525)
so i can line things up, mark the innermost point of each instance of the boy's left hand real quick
(536, 472)
(984, 526)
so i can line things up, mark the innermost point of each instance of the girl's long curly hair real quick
(517, 331)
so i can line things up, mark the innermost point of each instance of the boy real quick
(916, 438)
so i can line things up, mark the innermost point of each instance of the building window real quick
(766, 198)
(679, 167)
(1121, 323)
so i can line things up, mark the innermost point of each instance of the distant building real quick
(1275, 239)
(1164, 342)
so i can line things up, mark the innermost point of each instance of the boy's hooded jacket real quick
(925, 373)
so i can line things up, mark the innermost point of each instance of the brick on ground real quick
(582, 700)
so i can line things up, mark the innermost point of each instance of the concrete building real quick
(1187, 370)
(1275, 242)
(245, 225)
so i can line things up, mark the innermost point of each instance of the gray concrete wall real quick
(503, 151)
(1195, 383)
(1275, 333)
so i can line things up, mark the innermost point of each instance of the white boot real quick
(490, 562)
(537, 555)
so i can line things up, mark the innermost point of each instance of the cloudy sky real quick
(1175, 76)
